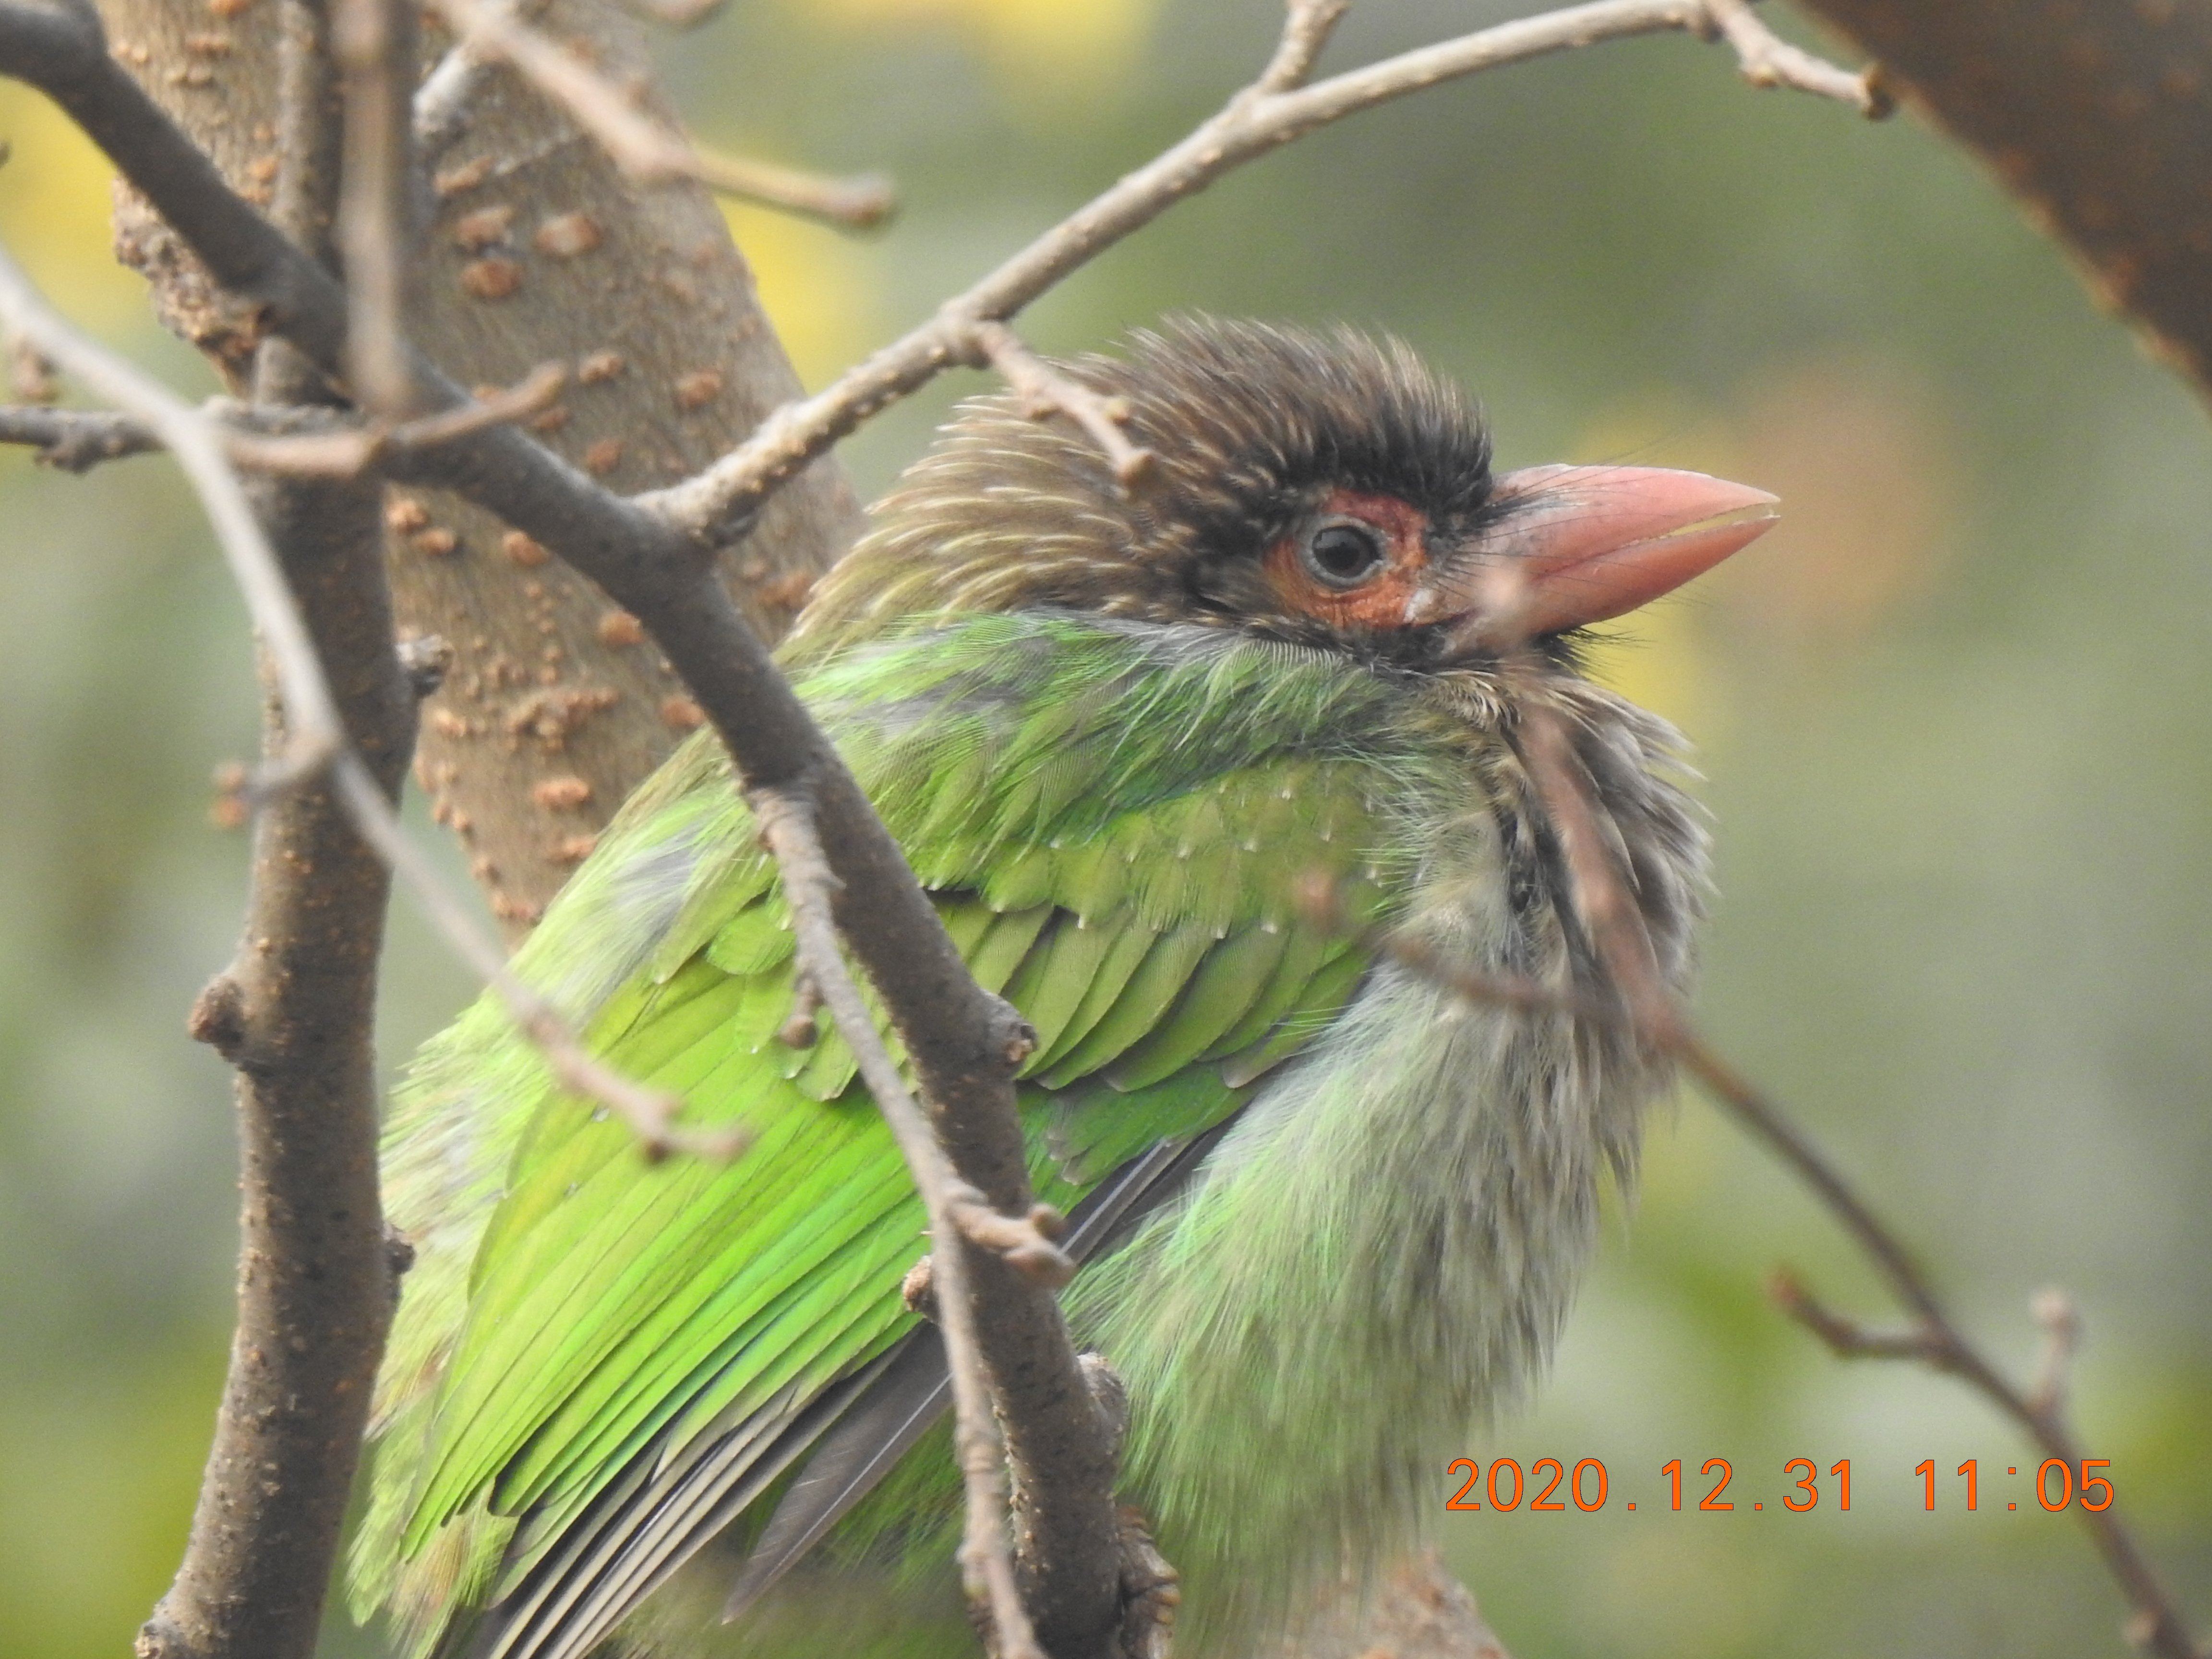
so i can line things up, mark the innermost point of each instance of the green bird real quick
(1329, 1213)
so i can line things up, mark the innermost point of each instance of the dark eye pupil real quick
(1345, 552)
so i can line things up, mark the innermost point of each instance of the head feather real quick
(1251, 425)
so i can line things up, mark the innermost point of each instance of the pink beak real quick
(1581, 543)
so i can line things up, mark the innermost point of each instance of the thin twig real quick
(2055, 1311)
(491, 30)
(1768, 60)
(858, 202)
(1044, 390)
(533, 393)
(314, 733)
(1307, 26)
(1613, 922)
(373, 41)
(29, 375)
(440, 113)
(350, 451)
(2156, 1624)
(787, 824)
(645, 150)
(1260, 117)
(76, 439)
(1847, 1338)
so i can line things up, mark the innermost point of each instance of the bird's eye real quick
(1344, 552)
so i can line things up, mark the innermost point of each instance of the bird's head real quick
(1324, 488)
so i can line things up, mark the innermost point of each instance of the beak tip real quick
(1600, 541)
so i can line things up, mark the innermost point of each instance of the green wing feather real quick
(1110, 824)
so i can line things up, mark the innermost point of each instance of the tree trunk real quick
(552, 709)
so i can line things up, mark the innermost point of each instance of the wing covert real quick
(1132, 897)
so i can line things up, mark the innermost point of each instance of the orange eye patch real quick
(1377, 600)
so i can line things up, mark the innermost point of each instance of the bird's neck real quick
(1384, 1248)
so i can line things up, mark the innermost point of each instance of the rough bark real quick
(2096, 114)
(555, 706)
(295, 1014)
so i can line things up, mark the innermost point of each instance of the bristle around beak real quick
(1577, 544)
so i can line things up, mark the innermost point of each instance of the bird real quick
(1330, 1212)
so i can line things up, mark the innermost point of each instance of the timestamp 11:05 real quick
(1548, 1485)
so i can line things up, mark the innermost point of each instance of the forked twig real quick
(1768, 60)
(1275, 108)
(1614, 923)
(1045, 391)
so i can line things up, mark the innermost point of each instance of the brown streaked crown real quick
(1256, 429)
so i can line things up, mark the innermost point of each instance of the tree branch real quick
(1268, 113)
(295, 1014)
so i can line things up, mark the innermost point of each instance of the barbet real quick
(1331, 1213)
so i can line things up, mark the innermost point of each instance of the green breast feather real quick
(1111, 822)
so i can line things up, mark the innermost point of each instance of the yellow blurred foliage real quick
(54, 206)
(816, 284)
(1068, 44)
(1855, 448)
(1859, 452)
(1655, 658)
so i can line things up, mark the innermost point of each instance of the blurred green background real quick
(1955, 717)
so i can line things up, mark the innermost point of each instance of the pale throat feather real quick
(1383, 1249)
